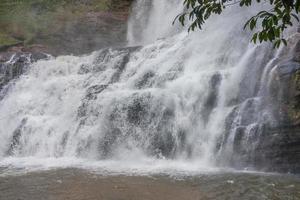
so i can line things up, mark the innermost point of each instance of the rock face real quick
(285, 86)
(272, 144)
(280, 146)
(69, 27)
(279, 150)
(93, 31)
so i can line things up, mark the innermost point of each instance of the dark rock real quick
(249, 111)
(251, 77)
(16, 138)
(91, 95)
(164, 142)
(110, 140)
(140, 120)
(229, 120)
(15, 65)
(279, 150)
(273, 143)
(285, 92)
(84, 69)
(212, 97)
(145, 80)
(94, 90)
(136, 110)
(121, 65)
(163, 145)
(104, 59)
(38, 56)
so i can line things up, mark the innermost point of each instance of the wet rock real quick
(285, 92)
(279, 150)
(163, 146)
(91, 95)
(136, 112)
(114, 58)
(274, 143)
(249, 111)
(144, 122)
(15, 65)
(164, 142)
(16, 138)
(120, 66)
(145, 80)
(238, 137)
(251, 77)
(279, 147)
(246, 139)
(94, 90)
(109, 142)
(229, 120)
(38, 56)
(212, 97)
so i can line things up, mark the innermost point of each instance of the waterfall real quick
(176, 96)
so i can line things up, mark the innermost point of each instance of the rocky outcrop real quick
(279, 147)
(271, 144)
(93, 31)
(285, 86)
(66, 27)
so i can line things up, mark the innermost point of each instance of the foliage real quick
(270, 23)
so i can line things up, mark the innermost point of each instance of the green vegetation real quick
(268, 24)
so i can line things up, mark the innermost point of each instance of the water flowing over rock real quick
(205, 98)
(14, 65)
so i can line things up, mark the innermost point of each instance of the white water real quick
(158, 105)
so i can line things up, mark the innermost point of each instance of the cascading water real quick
(182, 97)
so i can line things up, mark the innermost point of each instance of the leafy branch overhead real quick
(270, 23)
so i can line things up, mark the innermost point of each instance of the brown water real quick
(76, 184)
